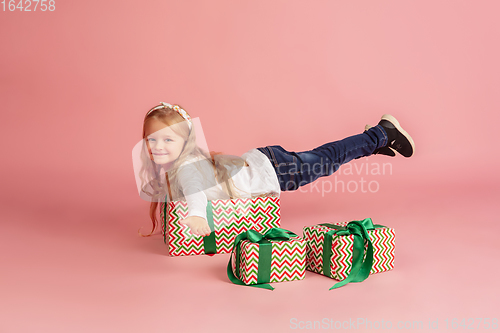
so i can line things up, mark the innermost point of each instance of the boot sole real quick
(393, 120)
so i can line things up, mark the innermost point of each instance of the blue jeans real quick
(295, 169)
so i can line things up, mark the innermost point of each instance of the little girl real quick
(175, 168)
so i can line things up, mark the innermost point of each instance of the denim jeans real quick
(295, 169)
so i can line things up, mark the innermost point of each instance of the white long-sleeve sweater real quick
(199, 186)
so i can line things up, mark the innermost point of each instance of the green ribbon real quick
(209, 244)
(265, 251)
(165, 220)
(361, 264)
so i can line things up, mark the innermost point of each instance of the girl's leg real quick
(295, 169)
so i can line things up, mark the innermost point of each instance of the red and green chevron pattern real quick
(231, 217)
(341, 262)
(288, 260)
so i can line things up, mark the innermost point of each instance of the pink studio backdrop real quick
(76, 82)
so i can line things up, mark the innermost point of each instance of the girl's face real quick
(163, 143)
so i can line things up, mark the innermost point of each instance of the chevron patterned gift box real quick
(267, 258)
(375, 252)
(227, 219)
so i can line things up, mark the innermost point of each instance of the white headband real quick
(179, 110)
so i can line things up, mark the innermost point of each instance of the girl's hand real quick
(197, 225)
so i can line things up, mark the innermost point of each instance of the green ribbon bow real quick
(361, 264)
(265, 251)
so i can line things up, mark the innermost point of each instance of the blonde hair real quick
(150, 173)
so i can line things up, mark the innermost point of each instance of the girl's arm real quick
(192, 183)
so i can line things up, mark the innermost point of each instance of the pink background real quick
(75, 85)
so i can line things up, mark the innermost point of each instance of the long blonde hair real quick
(150, 173)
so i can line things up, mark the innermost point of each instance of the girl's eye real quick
(150, 139)
(168, 140)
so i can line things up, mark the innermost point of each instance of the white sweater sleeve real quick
(193, 184)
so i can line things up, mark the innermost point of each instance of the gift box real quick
(258, 259)
(349, 251)
(227, 219)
